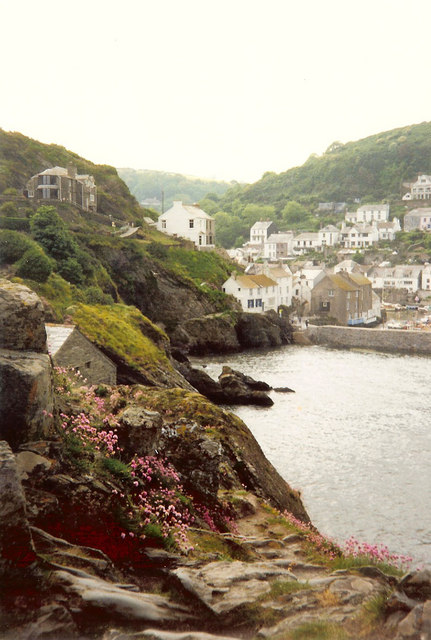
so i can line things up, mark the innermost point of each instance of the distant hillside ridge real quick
(150, 185)
(22, 157)
(371, 169)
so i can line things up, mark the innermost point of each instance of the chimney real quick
(71, 170)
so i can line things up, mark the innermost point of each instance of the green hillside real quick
(22, 157)
(369, 170)
(150, 184)
(373, 168)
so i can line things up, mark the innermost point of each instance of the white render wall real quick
(265, 297)
(188, 222)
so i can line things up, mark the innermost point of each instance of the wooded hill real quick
(369, 170)
(145, 184)
(372, 169)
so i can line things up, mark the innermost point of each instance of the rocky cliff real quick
(137, 512)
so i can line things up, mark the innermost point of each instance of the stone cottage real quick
(64, 185)
(70, 349)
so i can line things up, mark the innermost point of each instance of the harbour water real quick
(354, 438)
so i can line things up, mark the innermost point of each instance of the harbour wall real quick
(391, 340)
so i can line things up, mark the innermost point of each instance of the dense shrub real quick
(71, 270)
(18, 224)
(35, 265)
(13, 245)
(9, 209)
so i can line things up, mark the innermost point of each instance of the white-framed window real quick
(163, 224)
(191, 223)
(331, 293)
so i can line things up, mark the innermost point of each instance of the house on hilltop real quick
(64, 185)
(419, 190)
(72, 350)
(188, 221)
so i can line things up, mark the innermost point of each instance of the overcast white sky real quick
(213, 88)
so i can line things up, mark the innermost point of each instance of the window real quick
(88, 364)
(191, 224)
(250, 304)
(259, 302)
(163, 224)
(331, 293)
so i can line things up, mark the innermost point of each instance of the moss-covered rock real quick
(137, 346)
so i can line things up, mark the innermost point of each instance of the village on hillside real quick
(282, 272)
(315, 277)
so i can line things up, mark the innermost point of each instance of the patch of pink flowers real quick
(156, 498)
(376, 553)
(352, 548)
(103, 440)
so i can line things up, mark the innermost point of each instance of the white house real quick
(261, 230)
(360, 236)
(418, 219)
(188, 221)
(278, 272)
(421, 189)
(310, 275)
(329, 236)
(278, 245)
(306, 242)
(369, 213)
(387, 230)
(403, 276)
(256, 293)
(348, 265)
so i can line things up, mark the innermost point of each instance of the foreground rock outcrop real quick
(150, 513)
(26, 398)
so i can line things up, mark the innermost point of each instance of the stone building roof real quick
(56, 336)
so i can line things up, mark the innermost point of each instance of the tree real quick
(294, 213)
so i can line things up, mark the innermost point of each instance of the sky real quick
(226, 89)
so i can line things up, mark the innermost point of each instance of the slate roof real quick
(56, 336)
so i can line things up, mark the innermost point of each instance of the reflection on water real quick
(354, 438)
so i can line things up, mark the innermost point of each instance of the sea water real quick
(354, 438)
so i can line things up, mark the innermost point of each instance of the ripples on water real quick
(355, 439)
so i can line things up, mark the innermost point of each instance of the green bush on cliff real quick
(13, 245)
(35, 265)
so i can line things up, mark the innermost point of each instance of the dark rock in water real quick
(284, 390)
(226, 333)
(233, 387)
(203, 383)
(208, 334)
(241, 390)
(257, 330)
